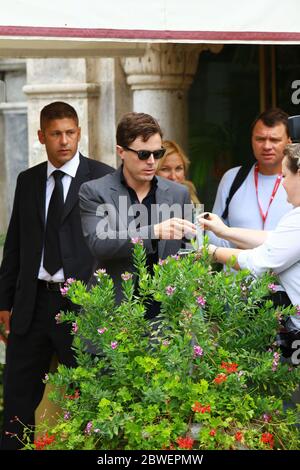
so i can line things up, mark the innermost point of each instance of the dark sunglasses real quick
(145, 154)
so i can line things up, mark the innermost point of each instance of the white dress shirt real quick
(279, 253)
(70, 169)
(244, 209)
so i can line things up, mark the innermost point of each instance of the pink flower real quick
(74, 327)
(170, 290)
(64, 291)
(275, 363)
(114, 344)
(166, 342)
(100, 272)
(201, 301)
(58, 317)
(267, 418)
(137, 241)
(102, 330)
(126, 276)
(67, 415)
(67, 284)
(272, 287)
(198, 351)
(88, 428)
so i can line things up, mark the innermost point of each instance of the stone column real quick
(115, 99)
(61, 80)
(13, 134)
(159, 81)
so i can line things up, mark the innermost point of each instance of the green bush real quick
(205, 374)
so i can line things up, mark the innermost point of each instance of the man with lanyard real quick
(259, 200)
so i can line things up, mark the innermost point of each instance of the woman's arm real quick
(241, 237)
(222, 255)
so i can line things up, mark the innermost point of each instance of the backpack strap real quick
(236, 184)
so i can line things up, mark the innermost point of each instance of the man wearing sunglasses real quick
(132, 202)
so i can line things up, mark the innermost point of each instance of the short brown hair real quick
(292, 154)
(133, 125)
(57, 110)
(271, 117)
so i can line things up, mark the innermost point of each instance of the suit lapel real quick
(163, 196)
(81, 176)
(121, 198)
(41, 181)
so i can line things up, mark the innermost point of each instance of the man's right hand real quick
(4, 325)
(174, 229)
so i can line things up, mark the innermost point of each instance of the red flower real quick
(198, 408)
(230, 367)
(185, 442)
(220, 378)
(212, 432)
(43, 441)
(267, 438)
(238, 436)
(74, 396)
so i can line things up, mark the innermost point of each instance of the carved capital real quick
(163, 66)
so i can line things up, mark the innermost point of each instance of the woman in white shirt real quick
(277, 250)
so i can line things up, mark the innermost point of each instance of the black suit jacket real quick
(25, 238)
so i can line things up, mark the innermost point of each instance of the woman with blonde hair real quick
(174, 166)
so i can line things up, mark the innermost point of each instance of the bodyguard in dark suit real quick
(132, 202)
(44, 247)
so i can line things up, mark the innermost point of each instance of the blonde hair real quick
(173, 147)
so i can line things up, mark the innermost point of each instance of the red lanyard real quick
(276, 186)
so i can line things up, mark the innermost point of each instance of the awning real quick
(100, 27)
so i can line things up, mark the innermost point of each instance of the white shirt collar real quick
(70, 167)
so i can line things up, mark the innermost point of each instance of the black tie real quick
(52, 256)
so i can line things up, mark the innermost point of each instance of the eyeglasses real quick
(145, 154)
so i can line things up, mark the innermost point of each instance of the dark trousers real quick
(28, 359)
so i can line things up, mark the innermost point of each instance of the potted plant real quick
(204, 374)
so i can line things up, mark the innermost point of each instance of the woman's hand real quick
(212, 222)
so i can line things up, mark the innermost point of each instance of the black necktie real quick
(52, 256)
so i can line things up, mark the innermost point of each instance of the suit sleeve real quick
(10, 265)
(104, 236)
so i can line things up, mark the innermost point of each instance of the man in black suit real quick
(44, 247)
